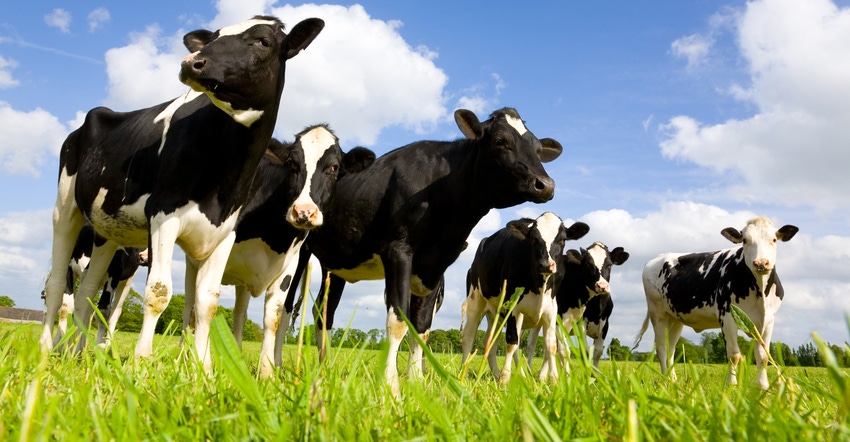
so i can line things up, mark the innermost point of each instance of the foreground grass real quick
(168, 397)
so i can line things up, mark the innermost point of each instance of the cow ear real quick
(732, 234)
(786, 232)
(521, 226)
(196, 40)
(619, 256)
(551, 150)
(276, 153)
(577, 231)
(302, 35)
(573, 256)
(468, 123)
(356, 160)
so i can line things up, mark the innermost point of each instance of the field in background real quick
(100, 397)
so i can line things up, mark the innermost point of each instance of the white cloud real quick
(26, 137)
(694, 48)
(30, 229)
(59, 19)
(794, 150)
(97, 18)
(6, 79)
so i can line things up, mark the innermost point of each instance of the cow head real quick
(312, 165)
(759, 242)
(509, 164)
(595, 264)
(544, 238)
(241, 67)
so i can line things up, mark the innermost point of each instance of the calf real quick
(296, 183)
(407, 220)
(524, 254)
(176, 173)
(698, 290)
(584, 291)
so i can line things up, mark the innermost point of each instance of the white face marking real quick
(167, 113)
(549, 224)
(517, 124)
(242, 27)
(760, 242)
(314, 143)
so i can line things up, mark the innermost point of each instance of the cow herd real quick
(203, 172)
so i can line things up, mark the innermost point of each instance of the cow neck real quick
(462, 188)
(762, 283)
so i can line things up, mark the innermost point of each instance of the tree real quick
(714, 347)
(783, 355)
(617, 351)
(6, 301)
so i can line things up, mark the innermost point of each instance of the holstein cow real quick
(176, 173)
(407, 219)
(121, 270)
(297, 183)
(584, 291)
(524, 254)
(697, 290)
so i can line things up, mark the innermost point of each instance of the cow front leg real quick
(240, 312)
(116, 307)
(207, 293)
(733, 352)
(513, 327)
(762, 356)
(550, 341)
(598, 346)
(531, 346)
(397, 269)
(324, 310)
(158, 286)
(91, 281)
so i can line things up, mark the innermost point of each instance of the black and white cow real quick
(407, 219)
(523, 254)
(297, 183)
(584, 292)
(698, 290)
(121, 270)
(176, 173)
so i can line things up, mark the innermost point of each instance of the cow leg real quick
(240, 312)
(513, 327)
(115, 309)
(492, 323)
(397, 270)
(550, 341)
(324, 309)
(598, 346)
(62, 321)
(288, 281)
(762, 356)
(67, 223)
(674, 330)
(472, 312)
(422, 311)
(190, 280)
(531, 346)
(158, 287)
(207, 292)
(91, 281)
(733, 352)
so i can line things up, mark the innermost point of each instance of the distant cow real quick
(297, 182)
(121, 270)
(176, 173)
(584, 291)
(407, 219)
(523, 254)
(698, 290)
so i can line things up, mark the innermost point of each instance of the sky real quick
(678, 119)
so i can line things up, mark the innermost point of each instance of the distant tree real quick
(375, 337)
(808, 355)
(714, 347)
(131, 314)
(783, 354)
(617, 351)
(687, 351)
(6, 301)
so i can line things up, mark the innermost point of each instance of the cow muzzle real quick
(305, 216)
(603, 288)
(762, 266)
(544, 189)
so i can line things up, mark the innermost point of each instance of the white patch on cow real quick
(128, 227)
(548, 224)
(168, 113)
(242, 27)
(370, 270)
(253, 264)
(417, 287)
(517, 124)
(598, 254)
(198, 237)
(314, 143)
(245, 117)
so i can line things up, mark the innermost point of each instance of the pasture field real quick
(169, 397)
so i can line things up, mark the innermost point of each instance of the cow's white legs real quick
(106, 333)
(67, 223)
(550, 341)
(598, 346)
(158, 287)
(62, 322)
(733, 352)
(762, 356)
(473, 311)
(510, 350)
(207, 291)
(396, 330)
(491, 356)
(240, 312)
(674, 331)
(531, 346)
(275, 298)
(416, 362)
(280, 338)
(91, 280)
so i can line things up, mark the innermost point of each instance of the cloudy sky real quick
(678, 119)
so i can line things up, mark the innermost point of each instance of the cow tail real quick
(642, 331)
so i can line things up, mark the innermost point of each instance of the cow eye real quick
(333, 169)
(265, 42)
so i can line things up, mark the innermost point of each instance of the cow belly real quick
(536, 309)
(254, 264)
(700, 319)
(128, 227)
(370, 270)
(198, 237)
(594, 330)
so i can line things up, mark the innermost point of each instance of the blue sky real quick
(678, 119)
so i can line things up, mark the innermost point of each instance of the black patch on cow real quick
(284, 285)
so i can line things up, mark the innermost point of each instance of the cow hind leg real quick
(598, 346)
(240, 313)
(67, 223)
(90, 282)
(733, 352)
(472, 313)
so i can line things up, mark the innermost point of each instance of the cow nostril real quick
(198, 64)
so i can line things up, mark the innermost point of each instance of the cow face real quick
(509, 163)
(595, 265)
(759, 242)
(543, 239)
(241, 67)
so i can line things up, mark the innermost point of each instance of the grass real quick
(169, 397)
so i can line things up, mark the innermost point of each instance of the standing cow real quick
(523, 254)
(407, 219)
(297, 183)
(176, 173)
(698, 290)
(584, 297)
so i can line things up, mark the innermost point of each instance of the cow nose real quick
(305, 215)
(761, 265)
(544, 186)
(143, 256)
(602, 287)
(193, 63)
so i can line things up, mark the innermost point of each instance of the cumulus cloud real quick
(59, 19)
(694, 48)
(27, 138)
(97, 18)
(794, 150)
(6, 79)
(24, 254)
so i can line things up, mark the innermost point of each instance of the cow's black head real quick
(593, 265)
(241, 67)
(509, 166)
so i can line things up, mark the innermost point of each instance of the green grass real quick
(169, 397)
